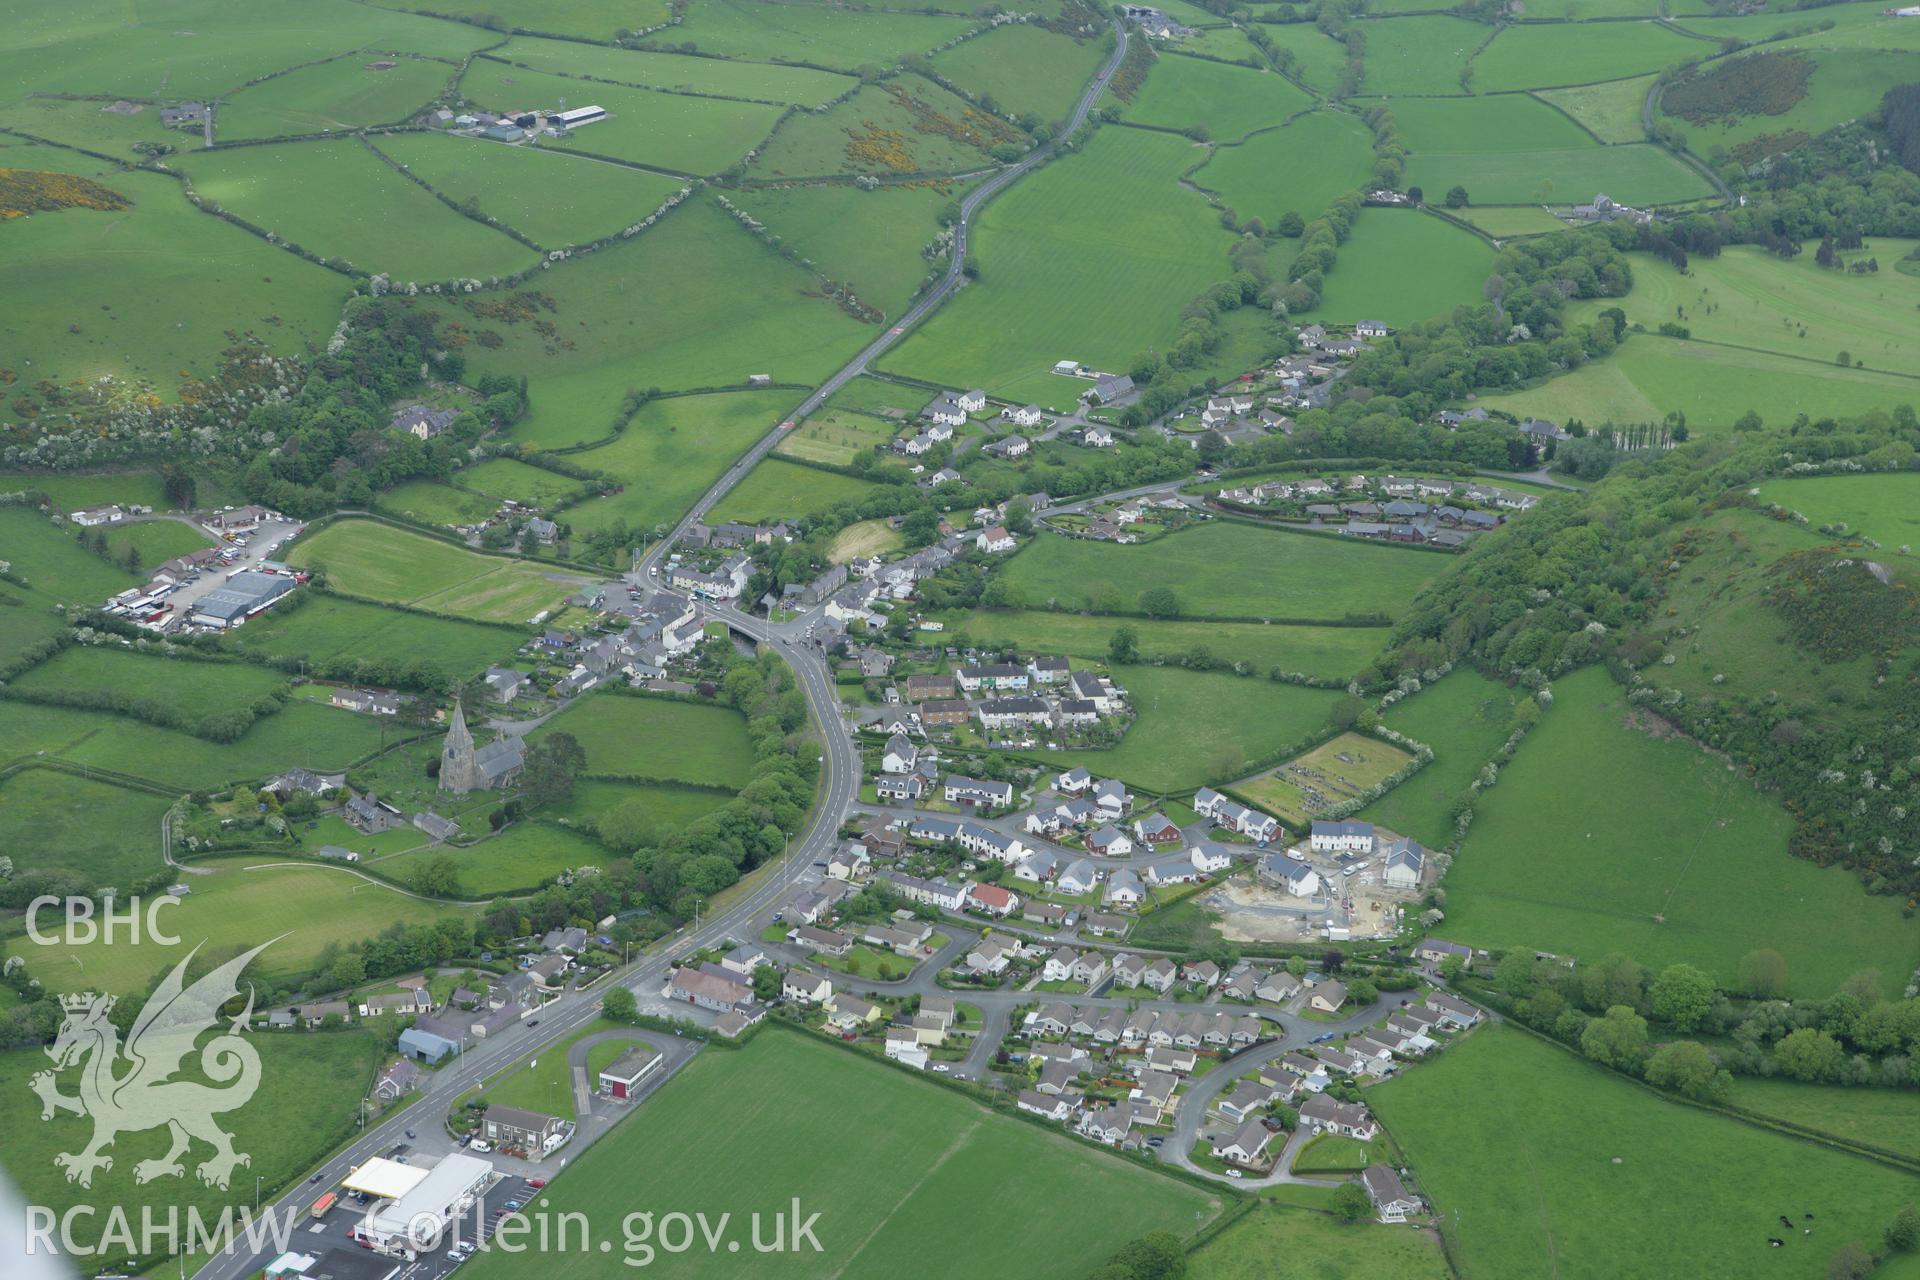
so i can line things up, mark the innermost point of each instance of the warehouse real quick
(413, 1206)
(578, 116)
(243, 596)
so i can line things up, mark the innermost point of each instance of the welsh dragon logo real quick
(147, 1096)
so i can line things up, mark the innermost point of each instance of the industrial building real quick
(409, 1200)
(624, 1077)
(577, 116)
(243, 596)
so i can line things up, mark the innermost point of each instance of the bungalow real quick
(1445, 1008)
(1123, 889)
(1439, 950)
(829, 942)
(1167, 1058)
(1342, 837)
(1246, 1145)
(1047, 914)
(1246, 1100)
(1037, 867)
(1328, 997)
(1079, 877)
(1277, 986)
(1103, 924)
(974, 791)
(1327, 1114)
(848, 1013)
(991, 957)
(992, 899)
(1109, 842)
(802, 987)
(1157, 828)
(1155, 1091)
(1109, 389)
(1390, 1197)
(1046, 1107)
(707, 990)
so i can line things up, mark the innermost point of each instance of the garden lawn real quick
(1339, 769)
(1747, 297)
(908, 124)
(884, 1176)
(692, 302)
(118, 843)
(1327, 652)
(552, 198)
(780, 490)
(340, 200)
(1025, 69)
(308, 1097)
(1883, 507)
(1226, 101)
(1091, 259)
(195, 688)
(1601, 838)
(760, 81)
(1299, 169)
(658, 738)
(394, 566)
(671, 131)
(1884, 1118)
(1402, 266)
(235, 906)
(868, 240)
(1197, 728)
(1537, 1191)
(1280, 1242)
(1642, 174)
(1611, 110)
(347, 93)
(1464, 718)
(329, 627)
(1420, 55)
(1226, 570)
(1548, 55)
(826, 35)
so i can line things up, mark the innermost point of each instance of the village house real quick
(1391, 1199)
(805, 988)
(1326, 1114)
(1348, 836)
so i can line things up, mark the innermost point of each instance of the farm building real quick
(244, 595)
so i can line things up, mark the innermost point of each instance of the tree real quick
(1763, 975)
(1350, 1203)
(1851, 1261)
(1616, 979)
(1810, 1054)
(1514, 974)
(552, 765)
(1616, 1039)
(1124, 647)
(619, 1004)
(1903, 1233)
(1683, 996)
(439, 874)
(1159, 602)
(180, 488)
(1291, 225)
(1687, 1068)
(766, 983)
(1416, 195)
(1456, 197)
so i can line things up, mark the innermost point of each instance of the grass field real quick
(1643, 174)
(594, 19)
(1548, 56)
(717, 279)
(1025, 68)
(1538, 1192)
(1298, 169)
(1611, 110)
(1089, 259)
(59, 572)
(1464, 718)
(232, 904)
(552, 198)
(1196, 727)
(658, 738)
(1503, 221)
(524, 855)
(1748, 297)
(85, 123)
(1586, 10)
(671, 451)
(523, 482)
(829, 36)
(1225, 570)
(1333, 652)
(666, 130)
(864, 538)
(1420, 55)
(338, 199)
(309, 1092)
(146, 292)
(1501, 125)
(776, 489)
(1713, 385)
(909, 124)
(1639, 855)
(836, 437)
(1845, 85)
(1881, 506)
(1338, 770)
(1884, 1118)
(1226, 101)
(884, 1176)
(761, 81)
(548, 1089)
(669, 807)
(1279, 1242)
(329, 627)
(347, 93)
(871, 240)
(432, 502)
(118, 844)
(377, 561)
(154, 542)
(69, 491)
(195, 688)
(1319, 59)
(1402, 266)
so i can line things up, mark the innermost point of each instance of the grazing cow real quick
(1786, 1222)
(1775, 1243)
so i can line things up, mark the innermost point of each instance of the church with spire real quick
(464, 768)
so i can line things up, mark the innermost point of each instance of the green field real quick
(1611, 110)
(58, 570)
(1329, 652)
(393, 566)
(329, 627)
(309, 1094)
(1299, 169)
(725, 78)
(521, 481)
(194, 688)
(1649, 377)
(670, 453)
(339, 199)
(1845, 85)
(1643, 174)
(431, 502)
(1025, 69)
(69, 491)
(1402, 266)
(1499, 125)
(1502, 221)
(1880, 506)
(909, 124)
(720, 282)
(1223, 570)
(146, 292)
(1319, 59)
(1537, 1191)
(523, 856)
(241, 900)
(1602, 838)
(885, 1176)
(552, 198)
(88, 124)
(348, 93)
(154, 542)
(1196, 728)
(1226, 101)
(1464, 718)
(870, 240)
(669, 807)
(776, 490)
(1747, 297)
(1089, 259)
(1584, 10)
(117, 844)
(665, 130)
(836, 437)
(1548, 55)
(1421, 55)
(593, 19)
(549, 1089)
(830, 36)
(1339, 769)
(658, 738)
(1884, 1118)
(1277, 1242)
